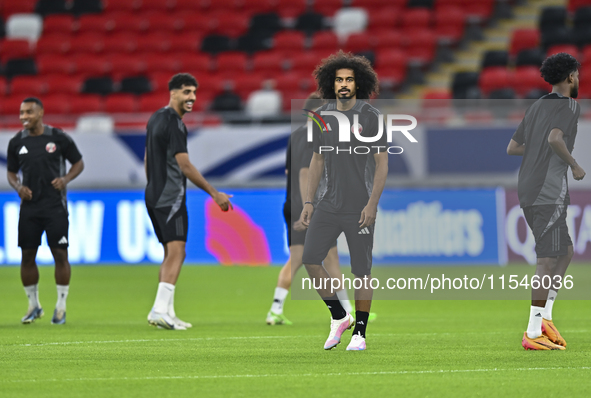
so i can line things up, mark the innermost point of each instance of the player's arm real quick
(23, 192)
(556, 141)
(369, 212)
(314, 173)
(191, 172)
(146, 163)
(515, 149)
(303, 182)
(61, 182)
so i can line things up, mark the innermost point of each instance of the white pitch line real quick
(243, 376)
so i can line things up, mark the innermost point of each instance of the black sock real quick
(334, 305)
(361, 318)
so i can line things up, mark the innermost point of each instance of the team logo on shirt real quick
(359, 130)
(50, 147)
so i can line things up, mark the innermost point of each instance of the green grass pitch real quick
(415, 348)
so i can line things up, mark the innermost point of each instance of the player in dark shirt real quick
(299, 155)
(39, 151)
(167, 169)
(545, 138)
(354, 185)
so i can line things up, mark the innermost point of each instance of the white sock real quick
(534, 327)
(549, 303)
(33, 296)
(171, 311)
(344, 299)
(62, 295)
(165, 290)
(278, 300)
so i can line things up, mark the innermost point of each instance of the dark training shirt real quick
(166, 136)
(542, 176)
(42, 159)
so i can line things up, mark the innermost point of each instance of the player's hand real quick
(368, 216)
(578, 172)
(299, 226)
(59, 183)
(306, 215)
(25, 193)
(223, 201)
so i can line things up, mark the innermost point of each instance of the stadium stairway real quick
(469, 58)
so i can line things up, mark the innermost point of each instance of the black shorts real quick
(548, 224)
(326, 227)
(169, 226)
(34, 220)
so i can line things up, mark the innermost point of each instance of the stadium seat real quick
(358, 42)
(188, 5)
(161, 6)
(191, 42)
(191, 21)
(421, 46)
(494, 78)
(210, 83)
(384, 18)
(552, 17)
(54, 63)
(135, 85)
(294, 81)
(159, 81)
(311, 22)
(156, 62)
(156, 42)
(478, 11)
(231, 24)
(391, 66)
(123, 5)
(20, 66)
(89, 103)
(573, 5)
(3, 86)
(125, 65)
(327, 7)
(254, 6)
(231, 62)
(58, 23)
(270, 62)
(215, 44)
(120, 103)
(159, 23)
(265, 24)
(226, 101)
(349, 20)
(522, 39)
(502, 94)
(251, 43)
(244, 84)
(90, 65)
(449, 24)
(325, 40)
(582, 36)
(416, 18)
(63, 84)
(87, 43)
(98, 85)
(152, 102)
(24, 26)
(369, 4)
(121, 42)
(387, 39)
(18, 7)
(56, 104)
(198, 62)
(128, 22)
(289, 41)
(290, 95)
(290, 9)
(527, 79)
(495, 58)
(567, 48)
(95, 23)
(27, 86)
(465, 85)
(80, 7)
(15, 48)
(53, 43)
(11, 104)
(307, 61)
(532, 57)
(420, 3)
(46, 7)
(556, 36)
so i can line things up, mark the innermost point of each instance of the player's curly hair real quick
(182, 79)
(365, 77)
(557, 67)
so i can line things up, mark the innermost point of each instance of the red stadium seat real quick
(53, 44)
(95, 23)
(306, 62)
(291, 8)
(437, 95)
(289, 95)
(268, 62)
(416, 18)
(494, 78)
(158, 5)
(87, 43)
(327, 7)
(121, 42)
(294, 81)
(391, 66)
(86, 103)
(120, 103)
(15, 48)
(573, 5)
(358, 42)
(421, 46)
(121, 5)
(156, 62)
(159, 82)
(129, 22)
(58, 23)
(188, 5)
(90, 65)
(191, 21)
(63, 84)
(527, 78)
(57, 104)
(384, 18)
(193, 61)
(156, 42)
(289, 41)
(230, 24)
(152, 102)
(523, 39)
(158, 22)
(212, 84)
(478, 11)
(387, 39)
(378, 3)
(244, 84)
(186, 42)
(325, 40)
(231, 62)
(253, 6)
(27, 86)
(450, 23)
(11, 105)
(3, 86)
(18, 7)
(54, 63)
(563, 48)
(125, 65)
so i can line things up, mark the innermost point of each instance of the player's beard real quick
(574, 92)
